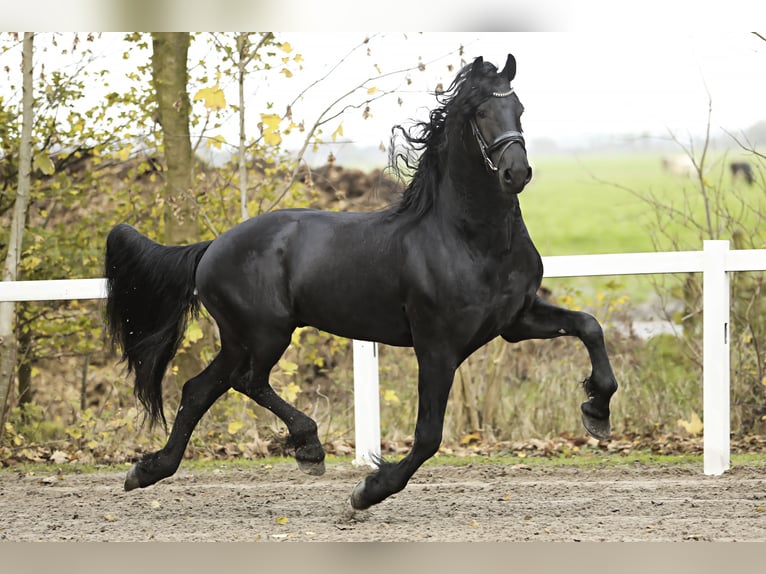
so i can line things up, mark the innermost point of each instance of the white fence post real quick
(716, 357)
(366, 403)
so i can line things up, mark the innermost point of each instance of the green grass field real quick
(580, 204)
(569, 212)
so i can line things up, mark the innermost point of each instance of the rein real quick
(502, 142)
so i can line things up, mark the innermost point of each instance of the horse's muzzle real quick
(514, 171)
(516, 178)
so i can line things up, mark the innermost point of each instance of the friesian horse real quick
(446, 269)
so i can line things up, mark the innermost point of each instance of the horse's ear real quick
(510, 68)
(477, 66)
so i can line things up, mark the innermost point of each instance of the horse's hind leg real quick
(545, 321)
(198, 394)
(265, 352)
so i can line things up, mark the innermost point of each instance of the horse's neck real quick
(481, 214)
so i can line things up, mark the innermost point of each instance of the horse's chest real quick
(494, 292)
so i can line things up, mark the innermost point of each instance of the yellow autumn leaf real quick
(43, 163)
(337, 132)
(763, 381)
(155, 504)
(271, 121)
(235, 427)
(281, 520)
(693, 426)
(194, 332)
(288, 366)
(123, 153)
(290, 392)
(389, 397)
(286, 72)
(213, 97)
(372, 90)
(215, 141)
(470, 438)
(286, 47)
(270, 126)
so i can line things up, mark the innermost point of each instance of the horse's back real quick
(335, 271)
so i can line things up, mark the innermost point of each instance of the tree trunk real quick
(10, 268)
(24, 364)
(243, 45)
(169, 76)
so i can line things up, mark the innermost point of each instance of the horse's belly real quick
(354, 319)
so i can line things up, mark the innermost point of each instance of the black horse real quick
(743, 169)
(445, 270)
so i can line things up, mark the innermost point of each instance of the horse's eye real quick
(481, 114)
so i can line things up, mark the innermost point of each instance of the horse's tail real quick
(150, 297)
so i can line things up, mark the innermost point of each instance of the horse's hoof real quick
(597, 428)
(312, 468)
(357, 497)
(131, 479)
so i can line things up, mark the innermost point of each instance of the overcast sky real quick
(575, 84)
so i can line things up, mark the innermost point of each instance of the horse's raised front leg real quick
(546, 321)
(198, 394)
(435, 378)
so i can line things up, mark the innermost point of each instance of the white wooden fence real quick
(715, 262)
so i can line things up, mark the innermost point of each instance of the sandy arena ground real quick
(479, 502)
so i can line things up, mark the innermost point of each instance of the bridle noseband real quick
(502, 142)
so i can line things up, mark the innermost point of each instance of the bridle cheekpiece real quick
(504, 140)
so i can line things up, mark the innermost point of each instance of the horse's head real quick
(495, 121)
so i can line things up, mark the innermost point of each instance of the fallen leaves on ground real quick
(566, 445)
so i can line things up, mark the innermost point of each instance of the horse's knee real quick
(590, 329)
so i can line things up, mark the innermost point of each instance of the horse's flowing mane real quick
(430, 139)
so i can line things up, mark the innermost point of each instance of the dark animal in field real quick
(742, 169)
(444, 270)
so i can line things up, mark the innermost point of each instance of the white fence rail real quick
(715, 262)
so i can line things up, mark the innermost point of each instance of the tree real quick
(708, 203)
(170, 78)
(10, 268)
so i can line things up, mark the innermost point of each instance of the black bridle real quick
(501, 142)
